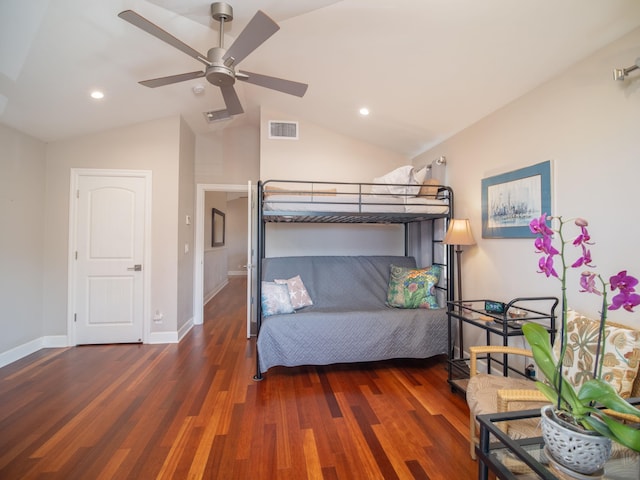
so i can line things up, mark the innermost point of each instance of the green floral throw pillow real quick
(413, 287)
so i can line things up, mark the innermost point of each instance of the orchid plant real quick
(580, 405)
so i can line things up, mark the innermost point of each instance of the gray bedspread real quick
(349, 321)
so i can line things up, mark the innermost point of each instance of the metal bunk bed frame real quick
(359, 217)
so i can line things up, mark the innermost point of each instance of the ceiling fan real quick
(220, 63)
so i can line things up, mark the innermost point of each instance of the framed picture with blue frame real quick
(510, 200)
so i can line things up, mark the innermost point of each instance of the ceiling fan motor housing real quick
(221, 11)
(218, 73)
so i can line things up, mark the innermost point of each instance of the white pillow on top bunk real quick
(395, 182)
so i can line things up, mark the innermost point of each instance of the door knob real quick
(136, 268)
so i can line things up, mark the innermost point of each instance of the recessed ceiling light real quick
(97, 94)
(364, 111)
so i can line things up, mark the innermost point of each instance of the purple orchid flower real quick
(626, 297)
(539, 226)
(546, 266)
(583, 238)
(585, 259)
(588, 283)
(626, 300)
(543, 245)
(623, 282)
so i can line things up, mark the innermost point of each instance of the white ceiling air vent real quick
(280, 129)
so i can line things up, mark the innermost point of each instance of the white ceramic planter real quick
(582, 451)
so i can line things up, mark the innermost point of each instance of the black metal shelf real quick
(471, 312)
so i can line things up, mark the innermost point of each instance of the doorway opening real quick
(216, 260)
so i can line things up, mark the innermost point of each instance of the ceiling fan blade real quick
(231, 100)
(151, 28)
(286, 86)
(259, 29)
(159, 82)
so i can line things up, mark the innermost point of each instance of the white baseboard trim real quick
(62, 341)
(215, 292)
(237, 273)
(188, 325)
(21, 351)
(163, 337)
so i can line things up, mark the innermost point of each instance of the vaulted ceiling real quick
(426, 69)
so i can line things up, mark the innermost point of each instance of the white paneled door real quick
(110, 229)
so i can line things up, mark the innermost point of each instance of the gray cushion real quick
(339, 283)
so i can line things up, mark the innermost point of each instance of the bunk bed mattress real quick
(324, 337)
(352, 203)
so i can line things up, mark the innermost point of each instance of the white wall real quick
(285, 239)
(215, 268)
(322, 155)
(215, 272)
(186, 228)
(231, 156)
(154, 146)
(589, 126)
(22, 181)
(237, 234)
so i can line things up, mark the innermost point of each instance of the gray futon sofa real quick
(349, 320)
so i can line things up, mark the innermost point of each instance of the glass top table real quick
(525, 459)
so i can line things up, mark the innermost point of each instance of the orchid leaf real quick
(600, 391)
(595, 424)
(548, 392)
(626, 435)
(540, 343)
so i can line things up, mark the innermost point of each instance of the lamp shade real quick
(459, 232)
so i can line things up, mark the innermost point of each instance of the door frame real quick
(198, 280)
(74, 183)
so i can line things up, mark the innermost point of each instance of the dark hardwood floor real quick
(192, 410)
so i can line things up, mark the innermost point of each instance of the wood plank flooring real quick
(192, 410)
